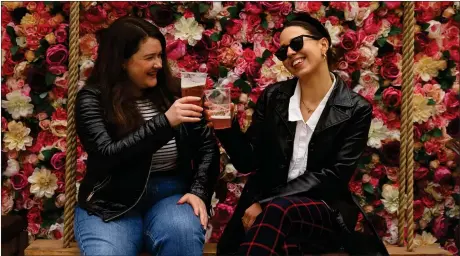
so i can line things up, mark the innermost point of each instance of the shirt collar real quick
(294, 106)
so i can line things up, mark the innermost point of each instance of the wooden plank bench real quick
(42, 247)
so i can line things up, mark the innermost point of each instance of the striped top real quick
(165, 159)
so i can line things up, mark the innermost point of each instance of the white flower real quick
(215, 10)
(425, 239)
(17, 104)
(17, 137)
(56, 231)
(391, 198)
(334, 31)
(378, 132)
(453, 212)
(188, 29)
(44, 183)
(280, 71)
(384, 29)
(434, 31)
(354, 12)
(368, 53)
(12, 168)
(21, 41)
(422, 111)
(393, 230)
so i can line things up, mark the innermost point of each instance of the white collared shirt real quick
(304, 130)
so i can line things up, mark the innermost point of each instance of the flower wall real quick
(234, 42)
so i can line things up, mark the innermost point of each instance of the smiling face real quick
(308, 59)
(143, 66)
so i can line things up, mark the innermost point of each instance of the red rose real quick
(61, 33)
(96, 14)
(188, 14)
(442, 174)
(119, 5)
(27, 169)
(392, 97)
(451, 247)
(59, 114)
(349, 40)
(253, 8)
(226, 41)
(314, 6)
(34, 215)
(389, 71)
(432, 146)
(419, 208)
(57, 70)
(253, 21)
(58, 161)
(176, 49)
(440, 226)
(352, 56)
(233, 26)
(356, 187)
(420, 173)
(428, 201)
(213, 67)
(19, 181)
(4, 124)
(452, 103)
(338, 5)
(249, 55)
(379, 171)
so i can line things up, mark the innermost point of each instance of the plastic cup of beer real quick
(192, 84)
(219, 108)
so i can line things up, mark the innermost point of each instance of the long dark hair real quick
(315, 27)
(117, 44)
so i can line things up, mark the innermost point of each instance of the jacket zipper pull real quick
(90, 196)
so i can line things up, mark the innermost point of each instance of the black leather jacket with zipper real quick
(118, 170)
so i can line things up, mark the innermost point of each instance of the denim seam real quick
(79, 238)
(147, 233)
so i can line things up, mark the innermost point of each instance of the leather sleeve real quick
(244, 148)
(92, 131)
(207, 161)
(339, 173)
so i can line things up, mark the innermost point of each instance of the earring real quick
(324, 56)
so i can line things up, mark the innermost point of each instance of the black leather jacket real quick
(266, 149)
(118, 170)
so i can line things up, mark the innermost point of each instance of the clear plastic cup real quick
(192, 84)
(220, 107)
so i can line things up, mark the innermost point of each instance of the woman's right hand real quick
(183, 111)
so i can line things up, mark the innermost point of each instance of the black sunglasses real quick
(296, 44)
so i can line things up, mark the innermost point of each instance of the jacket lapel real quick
(282, 105)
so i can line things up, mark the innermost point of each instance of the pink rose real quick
(58, 161)
(253, 21)
(442, 174)
(4, 124)
(81, 170)
(120, 5)
(61, 33)
(356, 187)
(34, 215)
(393, 5)
(56, 55)
(343, 65)
(176, 49)
(431, 146)
(451, 247)
(349, 40)
(234, 26)
(60, 201)
(57, 70)
(59, 114)
(226, 41)
(391, 97)
(278, 7)
(253, 8)
(96, 14)
(372, 24)
(352, 56)
(452, 103)
(19, 181)
(389, 71)
(440, 226)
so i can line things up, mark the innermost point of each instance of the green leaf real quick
(223, 71)
(266, 54)
(260, 60)
(153, 8)
(425, 26)
(457, 17)
(264, 24)
(215, 37)
(177, 16)
(446, 54)
(431, 102)
(394, 31)
(291, 16)
(203, 8)
(368, 188)
(49, 78)
(239, 83)
(223, 22)
(48, 153)
(10, 31)
(14, 49)
(233, 11)
(424, 137)
(246, 88)
(356, 75)
(436, 132)
(382, 41)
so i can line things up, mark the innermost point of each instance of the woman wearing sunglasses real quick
(302, 147)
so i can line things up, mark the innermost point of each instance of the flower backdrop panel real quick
(234, 42)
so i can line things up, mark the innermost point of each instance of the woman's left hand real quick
(198, 207)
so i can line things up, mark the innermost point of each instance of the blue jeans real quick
(158, 225)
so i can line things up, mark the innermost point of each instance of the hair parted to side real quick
(117, 44)
(315, 27)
